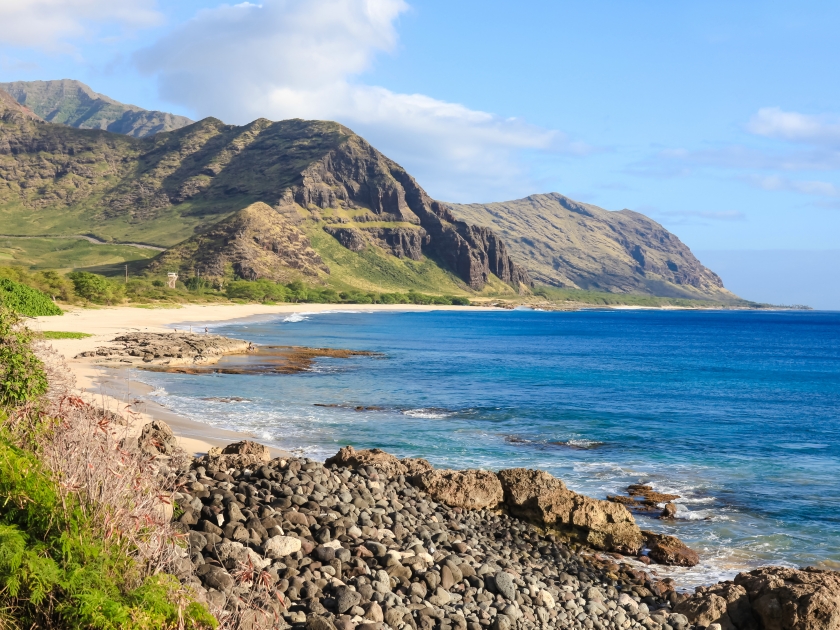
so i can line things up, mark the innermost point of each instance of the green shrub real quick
(198, 284)
(26, 300)
(245, 290)
(56, 571)
(95, 288)
(52, 283)
(460, 301)
(22, 377)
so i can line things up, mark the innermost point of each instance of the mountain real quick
(74, 104)
(256, 242)
(12, 110)
(368, 220)
(343, 212)
(565, 243)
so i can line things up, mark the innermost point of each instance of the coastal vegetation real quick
(601, 298)
(26, 300)
(84, 541)
(89, 289)
(28, 294)
(60, 334)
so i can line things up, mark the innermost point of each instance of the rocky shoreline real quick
(199, 353)
(166, 349)
(366, 541)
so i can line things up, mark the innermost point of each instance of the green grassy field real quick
(66, 253)
(58, 334)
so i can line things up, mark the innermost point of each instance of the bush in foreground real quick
(84, 542)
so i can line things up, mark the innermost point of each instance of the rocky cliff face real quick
(74, 104)
(355, 175)
(255, 243)
(11, 111)
(166, 188)
(565, 243)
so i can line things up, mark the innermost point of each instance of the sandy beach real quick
(122, 390)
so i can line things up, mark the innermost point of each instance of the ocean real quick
(736, 412)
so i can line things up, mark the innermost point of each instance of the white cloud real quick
(807, 187)
(692, 217)
(303, 59)
(773, 122)
(50, 25)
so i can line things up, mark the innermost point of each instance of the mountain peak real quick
(567, 243)
(72, 103)
(254, 243)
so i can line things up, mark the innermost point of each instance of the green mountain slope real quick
(565, 243)
(365, 220)
(73, 103)
(354, 204)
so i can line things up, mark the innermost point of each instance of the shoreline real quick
(110, 386)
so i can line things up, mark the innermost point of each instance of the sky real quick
(720, 120)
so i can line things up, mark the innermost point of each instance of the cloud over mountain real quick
(306, 59)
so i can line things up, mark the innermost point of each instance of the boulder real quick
(471, 489)
(670, 550)
(770, 598)
(281, 546)
(790, 599)
(726, 604)
(237, 455)
(537, 496)
(157, 438)
(388, 464)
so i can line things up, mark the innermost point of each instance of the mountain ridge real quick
(569, 244)
(72, 103)
(166, 188)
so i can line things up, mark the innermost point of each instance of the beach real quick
(120, 389)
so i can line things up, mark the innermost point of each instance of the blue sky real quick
(720, 120)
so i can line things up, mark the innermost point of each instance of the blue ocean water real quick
(737, 412)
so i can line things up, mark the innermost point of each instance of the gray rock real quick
(281, 546)
(317, 622)
(378, 549)
(501, 622)
(440, 597)
(219, 579)
(346, 598)
(505, 585)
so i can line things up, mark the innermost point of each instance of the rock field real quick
(367, 541)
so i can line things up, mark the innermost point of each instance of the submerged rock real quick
(670, 550)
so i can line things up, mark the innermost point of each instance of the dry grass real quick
(119, 488)
(126, 494)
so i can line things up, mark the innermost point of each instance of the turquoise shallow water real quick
(737, 412)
